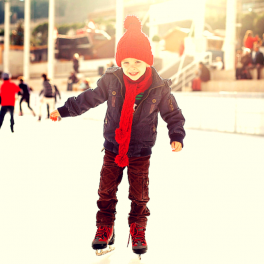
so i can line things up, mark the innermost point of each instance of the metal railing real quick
(187, 73)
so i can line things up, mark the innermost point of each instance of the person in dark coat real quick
(71, 80)
(56, 92)
(76, 62)
(46, 95)
(25, 96)
(257, 62)
(242, 61)
(135, 94)
(204, 73)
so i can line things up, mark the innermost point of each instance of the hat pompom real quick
(132, 21)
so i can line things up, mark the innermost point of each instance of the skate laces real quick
(138, 234)
(103, 231)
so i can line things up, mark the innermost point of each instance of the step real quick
(233, 86)
(223, 75)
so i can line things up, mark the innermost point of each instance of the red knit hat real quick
(134, 43)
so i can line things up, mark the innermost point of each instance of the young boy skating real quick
(135, 94)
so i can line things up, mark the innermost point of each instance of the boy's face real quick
(133, 68)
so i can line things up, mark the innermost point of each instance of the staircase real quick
(182, 72)
(169, 71)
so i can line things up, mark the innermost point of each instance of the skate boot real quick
(139, 244)
(105, 236)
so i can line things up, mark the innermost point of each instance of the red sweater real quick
(8, 91)
(250, 41)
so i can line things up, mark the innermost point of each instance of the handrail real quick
(194, 62)
(180, 66)
(168, 66)
(183, 72)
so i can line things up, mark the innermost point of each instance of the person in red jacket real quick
(8, 91)
(249, 40)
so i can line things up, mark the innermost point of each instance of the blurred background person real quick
(217, 64)
(243, 59)
(239, 65)
(257, 62)
(196, 83)
(71, 80)
(249, 39)
(55, 92)
(8, 91)
(76, 62)
(48, 92)
(203, 75)
(110, 64)
(85, 84)
(25, 92)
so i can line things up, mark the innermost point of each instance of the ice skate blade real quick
(100, 252)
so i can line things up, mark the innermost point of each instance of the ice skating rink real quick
(206, 202)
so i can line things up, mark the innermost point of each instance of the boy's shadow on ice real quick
(103, 259)
(106, 260)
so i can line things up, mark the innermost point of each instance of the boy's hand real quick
(55, 115)
(176, 146)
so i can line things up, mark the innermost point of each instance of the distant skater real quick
(56, 92)
(48, 96)
(76, 62)
(8, 91)
(25, 96)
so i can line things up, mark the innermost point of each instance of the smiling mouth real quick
(133, 73)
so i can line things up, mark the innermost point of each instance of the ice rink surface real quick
(206, 202)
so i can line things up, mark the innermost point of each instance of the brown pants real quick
(111, 176)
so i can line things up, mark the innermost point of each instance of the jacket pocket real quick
(113, 101)
(172, 104)
(114, 97)
(151, 104)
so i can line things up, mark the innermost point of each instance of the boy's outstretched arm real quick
(75, 106)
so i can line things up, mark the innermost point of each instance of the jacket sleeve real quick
(75, 106)
(172, 115)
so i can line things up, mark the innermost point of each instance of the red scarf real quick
(123, 133)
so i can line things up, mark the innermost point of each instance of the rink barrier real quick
(224, 112)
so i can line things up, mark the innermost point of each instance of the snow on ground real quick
(206, 202)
